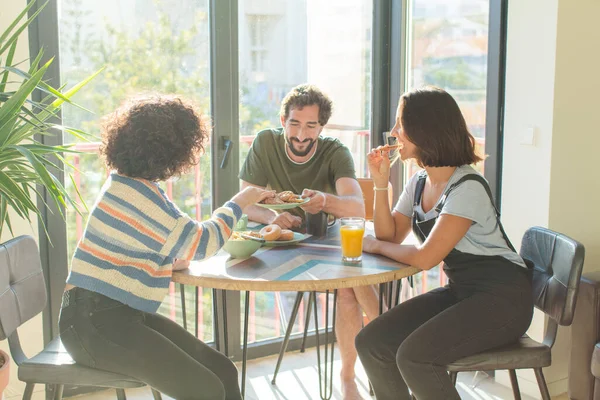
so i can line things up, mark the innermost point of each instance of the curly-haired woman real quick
(135, 237)
(448, 206)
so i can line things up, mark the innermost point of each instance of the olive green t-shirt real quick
(268, 165)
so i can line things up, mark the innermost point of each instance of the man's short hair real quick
(307, 95)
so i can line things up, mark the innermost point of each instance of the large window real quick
(144, 47)
(237, 60)
(448, 48)
(286, 43)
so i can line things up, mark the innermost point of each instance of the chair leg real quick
(288, 332)
(539, 375)
(28, 391)
(515, 384)
(121, 394)
(156, 394)
(453, 376)
(58, 392)
(183, 312)
(306, 322)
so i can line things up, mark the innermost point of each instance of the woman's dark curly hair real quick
(153, 138)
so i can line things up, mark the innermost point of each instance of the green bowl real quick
(241, 248)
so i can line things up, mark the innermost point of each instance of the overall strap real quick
(419, 189)
(480, 179)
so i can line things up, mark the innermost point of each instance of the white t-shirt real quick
(468, 200)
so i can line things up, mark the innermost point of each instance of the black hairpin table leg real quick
(326, 373)
(245, 345)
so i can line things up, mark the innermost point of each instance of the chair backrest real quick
(557, 264)
(366, 186)
(22, 285)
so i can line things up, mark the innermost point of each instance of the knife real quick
(250, 237)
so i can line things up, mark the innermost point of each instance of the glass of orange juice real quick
(352, 230)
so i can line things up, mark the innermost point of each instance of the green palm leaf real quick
(25, 163)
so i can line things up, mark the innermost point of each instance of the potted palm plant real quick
(24, 160)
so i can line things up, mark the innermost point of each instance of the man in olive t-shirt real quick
(297, 158)
(269, 165)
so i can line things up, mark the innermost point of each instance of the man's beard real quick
(299, 153)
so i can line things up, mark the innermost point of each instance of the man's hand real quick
(370, 244)
(287, 221)
(316, 203)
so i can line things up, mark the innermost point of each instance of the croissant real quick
(273, 200)
(287, 196)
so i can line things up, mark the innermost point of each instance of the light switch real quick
(528, 136)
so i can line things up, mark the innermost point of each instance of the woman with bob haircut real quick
(448, 205)
(134, 239)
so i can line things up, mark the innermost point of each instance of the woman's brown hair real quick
(432, 121)
(153, 138)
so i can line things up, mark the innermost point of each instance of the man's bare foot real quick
(350, 390)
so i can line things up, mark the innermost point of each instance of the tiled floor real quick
(297, 380)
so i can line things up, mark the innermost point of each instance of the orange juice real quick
(352, 238)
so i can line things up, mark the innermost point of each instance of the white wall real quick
(31, 332)
(552, 86)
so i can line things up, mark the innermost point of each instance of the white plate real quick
(298, 237)
(285, 206)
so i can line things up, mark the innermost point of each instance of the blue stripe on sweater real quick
(129, 271)
(169, 203)
(108, 290)
(226, 218)
(202, 245)
(137, 211)
(127, 229)
(95, 238)
(189, 228)
(237, 210)
(148, 193)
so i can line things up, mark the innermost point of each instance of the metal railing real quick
(359, 147)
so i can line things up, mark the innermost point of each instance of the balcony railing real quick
(358, 142)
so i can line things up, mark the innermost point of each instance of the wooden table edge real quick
(186, 277)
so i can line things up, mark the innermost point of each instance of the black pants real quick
(103, 333)
(410, 345)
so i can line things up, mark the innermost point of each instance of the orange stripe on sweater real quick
(121, 263)
(190, 255)
(224, 226)
(119, 215)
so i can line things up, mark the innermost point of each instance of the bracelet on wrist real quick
(378, 189)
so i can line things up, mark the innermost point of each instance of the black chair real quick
(557, 264)
(22, 297)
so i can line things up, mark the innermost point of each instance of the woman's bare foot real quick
(350, 390)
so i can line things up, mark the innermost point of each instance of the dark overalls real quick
(487, 303)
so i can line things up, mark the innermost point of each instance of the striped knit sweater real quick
(132, 237)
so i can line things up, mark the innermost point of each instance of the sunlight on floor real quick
(298, 380)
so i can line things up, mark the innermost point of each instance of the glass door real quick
(283, 44)
(448, 48)
(144, 47)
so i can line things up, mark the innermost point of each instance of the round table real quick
(314, 265)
